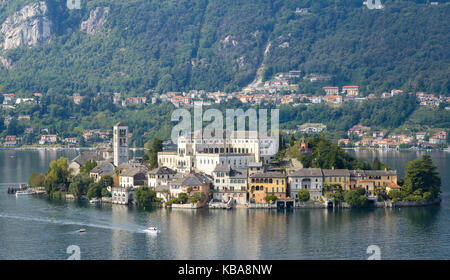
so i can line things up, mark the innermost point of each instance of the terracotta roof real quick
(393, 186)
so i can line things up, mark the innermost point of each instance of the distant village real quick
(280, 90)
(227, 172)
(363, 136)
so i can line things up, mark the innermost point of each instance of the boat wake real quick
(71, 222)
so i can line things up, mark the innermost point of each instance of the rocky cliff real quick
(27, 27)
(97, 19)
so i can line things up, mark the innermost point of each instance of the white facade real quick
(126, 181)
(310, 179)
(122, 196)
(160, 177)
(203, 154)
(230, 184)
(207, 162)
(120, 144)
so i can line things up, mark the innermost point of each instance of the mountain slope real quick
(219, 45)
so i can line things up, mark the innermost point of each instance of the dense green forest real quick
(219, 45)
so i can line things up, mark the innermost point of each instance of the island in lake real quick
(306, 173)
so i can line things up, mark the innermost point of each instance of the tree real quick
(36, 180)
(292, 141)
(94, 191)
(378, 165)
(106, 181)
(145, 197)
(105, 192)
(182, 197)
(57, 176)
(421, 175)
(198, 197)
(356, 198)
(155, 147)
(303, 195)
(271, 197)
(80, 185)
(282, 144)
(88, 166)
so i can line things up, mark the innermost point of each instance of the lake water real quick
(36, 228)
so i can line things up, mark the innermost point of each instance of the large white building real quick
(237, 149)
(120, 143)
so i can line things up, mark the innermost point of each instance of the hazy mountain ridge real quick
(216, 45)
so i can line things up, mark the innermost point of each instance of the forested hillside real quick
(170, 45)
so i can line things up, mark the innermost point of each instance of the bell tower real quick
(120, 143)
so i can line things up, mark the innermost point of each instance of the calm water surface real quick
(33, 228)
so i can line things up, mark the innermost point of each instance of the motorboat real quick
(25, 192)
(152, 230)
(81, 230)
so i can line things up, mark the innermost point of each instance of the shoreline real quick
(309, 206)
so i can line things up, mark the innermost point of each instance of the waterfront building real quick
(10, 141)
(193, 184)
(49, 138)
(133, 177)
(123, 196)
(160, 176)
(120, 143)
(264, 184)
(230, 184)
(310, 179)
(337, 177)
(380, 178)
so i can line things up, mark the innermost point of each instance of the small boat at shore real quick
(25, 192)
(94, 201)
(152, 230)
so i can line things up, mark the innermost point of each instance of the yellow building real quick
(381, 178)
(337, 177)
(262, 185)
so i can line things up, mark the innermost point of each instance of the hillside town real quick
(224, 173)
(363, 136)
(274, 91)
